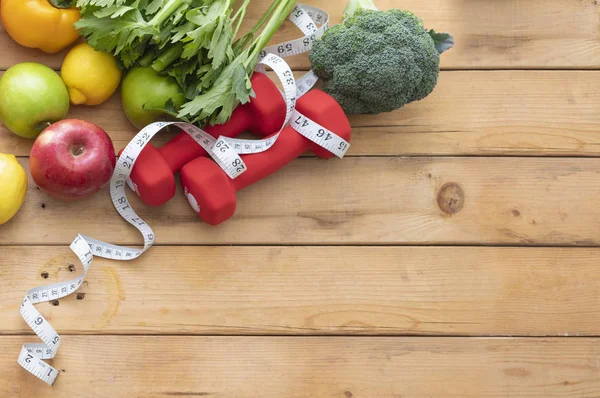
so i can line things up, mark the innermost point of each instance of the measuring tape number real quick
(312, 22)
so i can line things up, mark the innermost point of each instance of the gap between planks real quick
(499, 336)
(326, 245)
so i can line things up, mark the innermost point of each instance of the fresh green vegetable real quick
(193, 41)
(233, 84)
(130, 28)
(378, 61)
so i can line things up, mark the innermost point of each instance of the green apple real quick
(32, 96)
(144, 92)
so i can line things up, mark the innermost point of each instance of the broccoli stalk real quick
(355, 5)
(377, 61)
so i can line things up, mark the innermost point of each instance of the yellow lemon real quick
(13, 187)
(90, 76)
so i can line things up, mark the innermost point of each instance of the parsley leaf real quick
(191, 41)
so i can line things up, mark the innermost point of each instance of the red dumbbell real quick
(153, 175)
(211, 192)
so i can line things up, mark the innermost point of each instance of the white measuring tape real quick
(312, 22)
(226, 151)
(319, 134)
(231, 148)
(306, 18)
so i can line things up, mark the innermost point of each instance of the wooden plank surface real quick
(355, 309)
(489, 34)
(526, 113)
(517, 201)
(295, 367)
(314, 290)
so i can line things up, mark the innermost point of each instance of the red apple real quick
(72, 159)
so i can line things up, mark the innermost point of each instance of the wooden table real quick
(453, 253)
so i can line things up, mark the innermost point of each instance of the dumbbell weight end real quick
(212, 193)
(152, 177)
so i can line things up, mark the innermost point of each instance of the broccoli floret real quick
(378, 61)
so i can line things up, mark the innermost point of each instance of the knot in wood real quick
(451, 198)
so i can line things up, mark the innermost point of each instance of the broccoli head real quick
(378, 61)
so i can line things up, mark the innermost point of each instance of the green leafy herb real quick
(233, 84)
(191, 40)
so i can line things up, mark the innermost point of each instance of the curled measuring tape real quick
(228, 150)
(312, 22)
(225, 151)
(307, 18)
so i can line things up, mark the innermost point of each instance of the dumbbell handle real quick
(212, 194)
(288, 147)
(182, 148)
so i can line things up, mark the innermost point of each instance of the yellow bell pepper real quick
(42, 24)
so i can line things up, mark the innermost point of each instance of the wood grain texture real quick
(517, 201)
(295, 367)
(314, 290)
(526, 113)
(133, 330)
(12, 53)
(489, 34)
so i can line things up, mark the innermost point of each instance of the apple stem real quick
(42, 126)
(77, 150)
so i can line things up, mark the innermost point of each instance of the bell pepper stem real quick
(61, 3)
